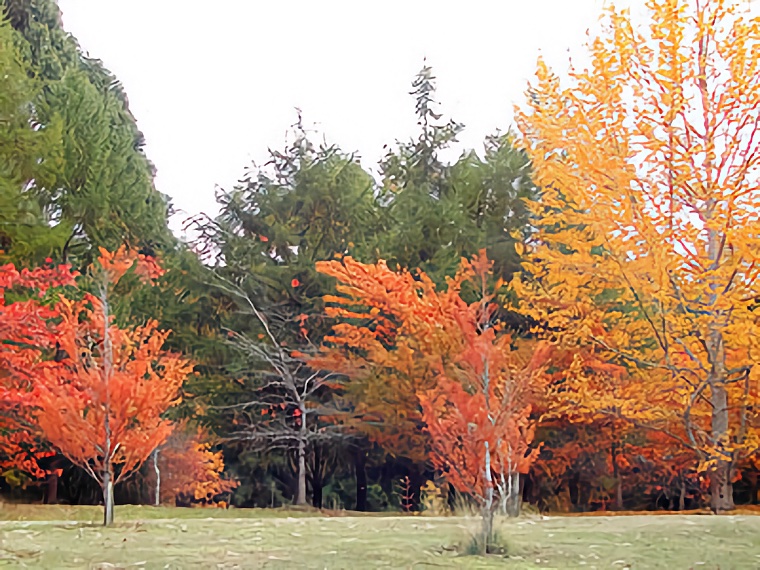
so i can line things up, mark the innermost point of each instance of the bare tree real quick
(286, 396)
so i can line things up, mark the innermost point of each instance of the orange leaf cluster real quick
(646, 250)
(191, 471)
(388, 341)
(102, 404)
(440, 362)
(26, 338)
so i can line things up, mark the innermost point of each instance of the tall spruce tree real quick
(308, 203)
(101, 191)
(28, 158)
(436, 212)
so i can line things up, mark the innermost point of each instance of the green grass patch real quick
(147, 537)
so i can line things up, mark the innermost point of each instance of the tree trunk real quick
(301, 490)
(584, 495)
(107, 497)
(618, 479)
(158, 477)
(51, 489)
(486, 537)
(107, 365)
(721, 488)
(360, 469)
(514, 499)
(301, 476)
(316, 479)
(574, 490)
(682, 496)
(487, 530)
(316, 492)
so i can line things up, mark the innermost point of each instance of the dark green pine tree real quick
(308, 203)
(28, 159)
(102, 189)
(418, 230)
(436, 212)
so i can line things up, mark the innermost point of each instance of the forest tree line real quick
(565, 317)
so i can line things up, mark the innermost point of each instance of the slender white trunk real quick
(301, 493)
(487, 514)
(107, 498)
(513, 498)
(158, 477)
(488, 476)
(107, 365)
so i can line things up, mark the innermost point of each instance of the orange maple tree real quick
(27, 339)
(101, 406)
(466, 382)
(189, 471)
(376, 343)
(478, 413)
(646, 249)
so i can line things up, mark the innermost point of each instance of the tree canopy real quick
(565, 316)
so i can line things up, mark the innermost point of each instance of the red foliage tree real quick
(468, 385)
(27, 337)
(186, 470)
(386, 340)
(102, 405)
(479, 411)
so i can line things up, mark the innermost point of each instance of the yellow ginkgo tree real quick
(647, 245)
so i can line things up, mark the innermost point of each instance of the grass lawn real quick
(145, 537)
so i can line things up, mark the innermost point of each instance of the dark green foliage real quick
(435, 212)
(97, 186)
(306, 204)
(27, 160)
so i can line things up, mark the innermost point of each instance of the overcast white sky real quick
(213, 84)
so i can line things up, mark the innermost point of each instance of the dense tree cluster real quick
(566, 317)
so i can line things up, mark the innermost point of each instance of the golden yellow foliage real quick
(647, 251)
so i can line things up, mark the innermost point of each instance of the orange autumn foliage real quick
(27, 333)
(482, 404)
(646, 249)
(387, 342)
(478, 414)
(191, 473)
(101, 406)
(460, 379)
